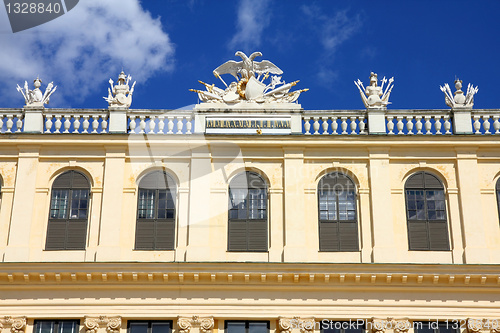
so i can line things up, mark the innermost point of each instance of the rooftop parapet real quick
(241, 122)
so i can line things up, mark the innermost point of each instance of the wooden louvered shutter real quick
(438, 236)
(164, 235)
(348, 236)
(145, 235)
(328, 236)
(237, 235)
(427, 230)
(69, 232)
(76, 234)
(257, 235)
(155, 230)
(247, 223)
(337, 232)
(417, 235)
(56, 235)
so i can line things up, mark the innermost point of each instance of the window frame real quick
(247, 324)
(427, 221)
(56, 324)
(337, 221)
(67, 219)
(168, 190)
(149, 322)
(265, 191)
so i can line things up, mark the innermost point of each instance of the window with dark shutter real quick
(155, 227)
(426, 213)
(68, 216)
(247, 225)
(246, 326)
(56, 326)
(152, 326)
(338, 222)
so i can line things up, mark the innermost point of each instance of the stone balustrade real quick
(159, 122)
(11, 120)
(334, 123)
(75, 121)
(419, 122)
(324, 122)
(485, 121)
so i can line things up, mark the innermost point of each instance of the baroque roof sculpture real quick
(374, 96)
(459, 101)
(35, 97)
(120, 95)
(250, 86)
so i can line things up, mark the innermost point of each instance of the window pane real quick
(257, 327)
(138, 327)
(162, 204)
(146, 204)
(59, 204)
(79, 204)
(236, 327)
(162, 327)
(45, 327)
(68, 327)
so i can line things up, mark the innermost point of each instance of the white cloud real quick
(333, 31)
(83, 48)
(253, 17)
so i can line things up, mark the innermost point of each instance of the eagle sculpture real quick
(247, 67)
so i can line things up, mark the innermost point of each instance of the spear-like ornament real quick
(384, 80)
(387, 88)
(22, 92)
(218, 76)
(132, 89)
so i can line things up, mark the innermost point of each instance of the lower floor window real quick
(247, 326)
(437, 327)
(57, 326)
(149, 326)
(342, 327)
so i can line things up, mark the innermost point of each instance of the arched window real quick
(155, 228)
(247, 226)
(69, 205)
(338, 222)
(426, 213)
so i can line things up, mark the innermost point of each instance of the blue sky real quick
(168, 45)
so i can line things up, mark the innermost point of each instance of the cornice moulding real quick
(257, 274)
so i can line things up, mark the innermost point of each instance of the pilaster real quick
(474, 231)
(109, 246)
(198, 246)
(384, 249)
(295, 249)
(24, 200)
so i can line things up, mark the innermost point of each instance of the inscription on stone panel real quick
(219, 125)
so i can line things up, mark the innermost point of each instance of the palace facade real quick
(249, 217)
